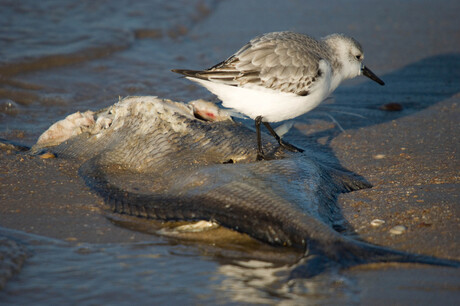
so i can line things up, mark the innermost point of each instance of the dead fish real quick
(154, 158)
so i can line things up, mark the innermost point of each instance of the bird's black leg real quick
(282, 143)
(260, 152)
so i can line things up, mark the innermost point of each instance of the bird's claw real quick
(290, 147)
(260, 156)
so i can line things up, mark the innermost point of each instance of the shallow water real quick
(165, 273)
(57, 58)
(133, 273)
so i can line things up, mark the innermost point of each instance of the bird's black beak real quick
(367, 72)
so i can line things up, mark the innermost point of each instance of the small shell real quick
(377, 222)
(398, 230)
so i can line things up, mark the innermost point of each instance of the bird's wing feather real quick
(283, 61)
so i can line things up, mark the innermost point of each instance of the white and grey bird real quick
(282, 75)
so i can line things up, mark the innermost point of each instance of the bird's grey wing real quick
(283, 61)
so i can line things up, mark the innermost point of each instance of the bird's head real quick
(349, 57)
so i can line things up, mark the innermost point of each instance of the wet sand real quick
(48, 198)
(413, 165)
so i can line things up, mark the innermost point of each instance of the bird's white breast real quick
(272, 105)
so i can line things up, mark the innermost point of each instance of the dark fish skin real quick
(156, 160)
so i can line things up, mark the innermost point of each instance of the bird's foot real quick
(289, 147)
(260, 156)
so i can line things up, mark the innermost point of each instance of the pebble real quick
(391, 107)
(398, 230)
(377, 222)
(47, 155)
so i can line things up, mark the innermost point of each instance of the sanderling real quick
(282, 75)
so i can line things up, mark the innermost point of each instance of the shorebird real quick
(281, 75)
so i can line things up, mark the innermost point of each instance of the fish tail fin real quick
(353, 253)
(377, 254)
